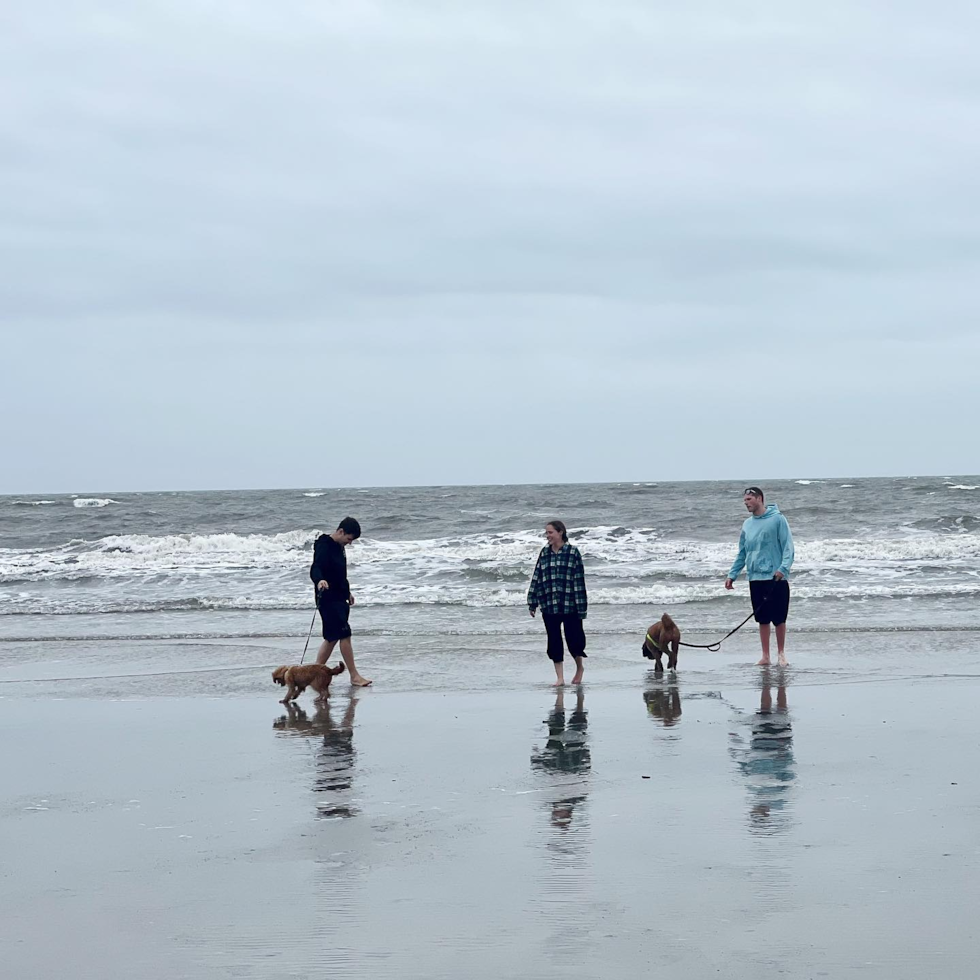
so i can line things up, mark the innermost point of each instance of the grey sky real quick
(306, 243)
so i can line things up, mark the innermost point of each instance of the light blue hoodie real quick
(765, 546)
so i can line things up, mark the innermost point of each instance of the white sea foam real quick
(807, 483)
(315, 493)
(31, 503)
(655, 594)
(477, 563)
(94, 501)
(962, 486)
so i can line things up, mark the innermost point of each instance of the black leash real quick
(312, 621)
(716, 646)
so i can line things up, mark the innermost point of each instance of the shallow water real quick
(807, 829)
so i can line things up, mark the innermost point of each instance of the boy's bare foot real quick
(559, 683)
(577, 679)
(764, 662)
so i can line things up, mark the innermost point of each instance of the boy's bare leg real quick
(781, 644)
(579, 670)
(326, 648)
(764, 638)
(559, 673)
(347, 652)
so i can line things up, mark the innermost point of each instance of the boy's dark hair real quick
(757, 491)
(350, 526)
(559, 526)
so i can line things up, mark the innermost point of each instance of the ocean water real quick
(871, 555)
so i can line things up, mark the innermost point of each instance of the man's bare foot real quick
(764, 662)
(358, 681)
(577, 679)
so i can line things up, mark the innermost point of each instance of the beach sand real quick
(461, 819)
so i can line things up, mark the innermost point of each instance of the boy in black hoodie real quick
(333, 595)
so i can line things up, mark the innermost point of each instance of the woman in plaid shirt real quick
(558, 587)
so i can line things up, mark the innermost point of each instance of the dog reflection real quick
(766, 758)
(663, 699)
(565, 758)
(335, 754)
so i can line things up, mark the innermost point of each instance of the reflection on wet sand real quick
(566, 761)
(764, 756)
(663, 698)
(335, 756)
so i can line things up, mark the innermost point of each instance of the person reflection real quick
(565, 758)
(335, 755)
(663, 698)
(766, 759)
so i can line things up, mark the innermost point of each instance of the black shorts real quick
(334, 616)
(770, 600)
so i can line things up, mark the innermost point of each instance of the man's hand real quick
(322, 585)
(729, 584)
(532, 611)
(350, 600)
(779, 576)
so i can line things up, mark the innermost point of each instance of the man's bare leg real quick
(559, 673)
(579, 670)
(347, 652)
(764, 637)
(781, 644)
(326, 648)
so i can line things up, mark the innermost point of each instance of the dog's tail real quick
(339, 669)
(668, 622)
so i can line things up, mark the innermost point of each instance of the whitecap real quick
(806, 483)
(94, 501)
(315, 493)
(962, 486)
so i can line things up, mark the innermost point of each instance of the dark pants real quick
(574, 635)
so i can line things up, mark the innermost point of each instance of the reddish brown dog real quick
(301, 676)
(662, 637)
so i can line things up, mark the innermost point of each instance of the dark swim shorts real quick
(770, 600)
(334, 616)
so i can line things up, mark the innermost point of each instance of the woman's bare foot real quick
(764, 662)
(783, 662)
(358, 681)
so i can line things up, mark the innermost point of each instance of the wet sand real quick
(821, 821)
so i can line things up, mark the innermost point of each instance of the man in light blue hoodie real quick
(765, 551)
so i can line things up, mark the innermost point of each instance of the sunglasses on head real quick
(755, 491)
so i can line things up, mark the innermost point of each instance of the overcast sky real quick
(320, 243)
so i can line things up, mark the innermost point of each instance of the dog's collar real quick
(653, 643)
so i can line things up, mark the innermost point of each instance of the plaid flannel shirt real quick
(558, 582)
